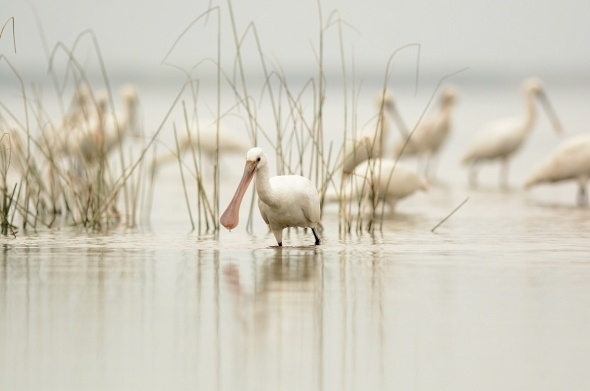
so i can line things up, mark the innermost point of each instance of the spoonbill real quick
(369, 144)
(569, 161)
(83, 107)
(100, 134)
(284, 200)
(206, 141)
(383, 180)
(432, 133)
(502, 138)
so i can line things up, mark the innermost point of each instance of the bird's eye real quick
(258, 159)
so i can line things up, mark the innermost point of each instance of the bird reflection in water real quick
(285, 276)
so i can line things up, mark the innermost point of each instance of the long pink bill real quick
(231, 217)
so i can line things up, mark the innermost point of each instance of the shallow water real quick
(496, 298)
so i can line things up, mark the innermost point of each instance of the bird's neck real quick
(445, 114)
(262, 183)
(130, 117)
(382, 127)
(531, 112)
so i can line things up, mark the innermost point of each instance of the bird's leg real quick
(473, 175)
(278, 233)
(582, 195)
(317, 238)
(504, 174)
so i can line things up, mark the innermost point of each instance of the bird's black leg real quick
(582, 196)
(317, 238)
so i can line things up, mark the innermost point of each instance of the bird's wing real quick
(496, 139)
(569, 160)
(262, 207)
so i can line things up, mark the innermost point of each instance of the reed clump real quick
(70, 168)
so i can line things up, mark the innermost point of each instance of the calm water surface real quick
(497, 298)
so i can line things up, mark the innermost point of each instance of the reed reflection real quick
(301, 316)
(64, 309)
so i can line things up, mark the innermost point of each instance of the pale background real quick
(518, 37)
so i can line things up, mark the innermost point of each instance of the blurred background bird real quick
(569, 161)
(431, 133)
(500, 139)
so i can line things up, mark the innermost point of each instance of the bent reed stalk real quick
(60, 186)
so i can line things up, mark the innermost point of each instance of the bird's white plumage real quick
(432, 132)
(370, 142)
(100, 131)
(497, 139)
(569, 161)
(383, 180)
(293, 202)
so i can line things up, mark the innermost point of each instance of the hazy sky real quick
(523, 36)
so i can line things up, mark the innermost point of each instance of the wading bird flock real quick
(66, 167)
(369, 176)
(90, 130)
(372, 174)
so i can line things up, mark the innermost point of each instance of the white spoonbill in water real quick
(284, 201)
(432, 133)
(502, 138)
(569, 161)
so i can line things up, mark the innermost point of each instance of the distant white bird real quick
(381, 180)
(501, 139)
(205, 140)
(432, 132)
(84, 107)
(569, 161)
(99, 135)
(284, 201)
(370, 143)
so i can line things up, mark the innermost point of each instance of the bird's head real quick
(386, 100)
(255, 158)
(533, 85)
(83, 94)
(449, 95)
(129, 94)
